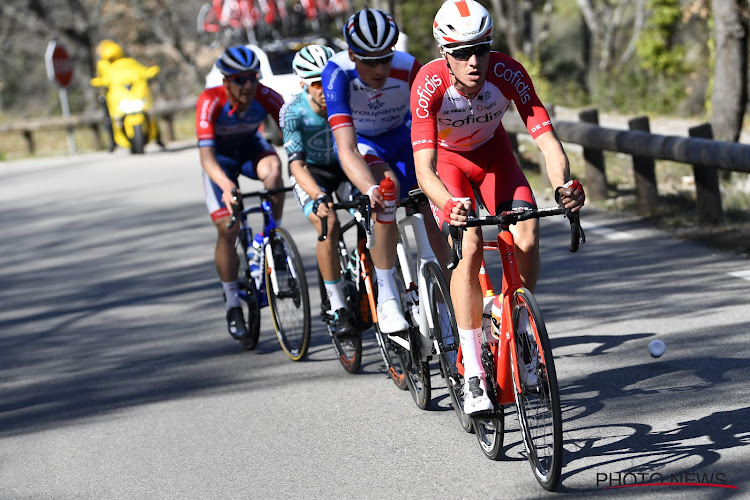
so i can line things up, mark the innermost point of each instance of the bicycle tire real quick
(290, 302)
(438, 292)
(490, 431)
(538, 406)
(417, 374)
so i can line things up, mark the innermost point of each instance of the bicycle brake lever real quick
(233, 219)
(456, 250)
(577, 236)
(323, 229)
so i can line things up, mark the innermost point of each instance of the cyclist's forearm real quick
(304, 179)
(214, 170)
(557, 166)
(425, 163)
(352, 163)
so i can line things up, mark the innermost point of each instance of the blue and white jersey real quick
(352, 103)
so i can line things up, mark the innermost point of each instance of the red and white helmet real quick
(461, 21)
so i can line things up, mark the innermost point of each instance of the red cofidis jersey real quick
(442, 117)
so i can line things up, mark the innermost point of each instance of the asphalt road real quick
(118, 379)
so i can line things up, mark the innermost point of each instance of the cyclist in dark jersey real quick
(315, 172)
(226, 121)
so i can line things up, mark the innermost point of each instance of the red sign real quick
(59, 64)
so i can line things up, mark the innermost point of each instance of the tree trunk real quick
(729, 96)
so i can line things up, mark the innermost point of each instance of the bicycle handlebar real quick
(263, 194)
(360, 203)
(510, 217)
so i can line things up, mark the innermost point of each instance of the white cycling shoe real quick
(390, 318)
(475, 396)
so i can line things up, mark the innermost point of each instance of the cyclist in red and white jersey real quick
(457, 104)
(229, 144)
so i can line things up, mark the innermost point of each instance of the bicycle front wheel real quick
(288, 298)
(444, 321)
(538, 402)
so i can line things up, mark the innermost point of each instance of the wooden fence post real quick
(596, 175)
(29, 137)
(707, 194)
(169, 129)
(94, 127)
(646, 192)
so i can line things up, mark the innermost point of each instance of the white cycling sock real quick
(472, 350)
(386, 284)
(230, 294)
(335, 291)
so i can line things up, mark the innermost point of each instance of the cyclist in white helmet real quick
(315, 172)
(367, 92)
(458, 102)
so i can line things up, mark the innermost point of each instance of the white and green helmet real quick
(309, 62)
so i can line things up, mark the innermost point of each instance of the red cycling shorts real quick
(492, 168)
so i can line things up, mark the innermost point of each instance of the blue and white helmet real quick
(236, 60)
(370, 30)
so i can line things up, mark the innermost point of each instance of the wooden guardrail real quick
(165, 111)
(699, 150)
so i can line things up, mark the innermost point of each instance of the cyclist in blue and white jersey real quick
(367, 89)
(315, 171)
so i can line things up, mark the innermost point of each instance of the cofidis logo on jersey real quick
(424, 92)
(515, 78)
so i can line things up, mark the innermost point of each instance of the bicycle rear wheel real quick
(417, 373)
(538, 403)
(249, 300)
(289, 300)
(444, 321)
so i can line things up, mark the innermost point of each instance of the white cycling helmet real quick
(370, 30)
(461, 21)
(309, 62)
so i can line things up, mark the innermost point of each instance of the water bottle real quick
(388, 190)
(487, 317)
(496, 317)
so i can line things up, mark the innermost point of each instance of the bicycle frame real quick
(502, 342)
(408, 268)
(269, 226)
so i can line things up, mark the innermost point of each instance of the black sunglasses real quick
(465, 53)
(243, 79)
(374, 61)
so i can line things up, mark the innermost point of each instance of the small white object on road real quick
(656, 348)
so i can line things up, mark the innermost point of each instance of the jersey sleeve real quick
(427, 93)
(270, 100)
(206, 108)
(521, 91)
(336, 88)
(291, 128)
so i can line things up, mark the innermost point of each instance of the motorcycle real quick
(129, 103)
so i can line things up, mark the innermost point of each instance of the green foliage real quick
(416, 22)
(658, 54)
